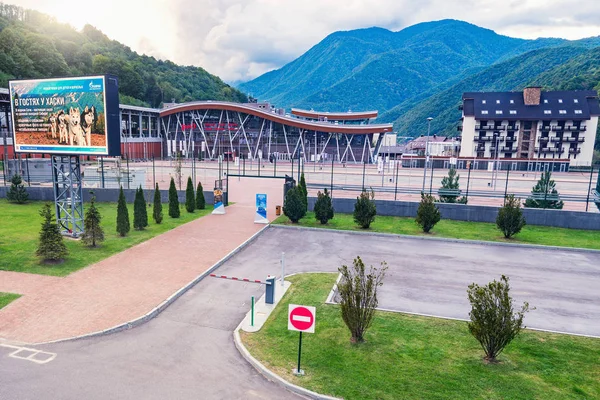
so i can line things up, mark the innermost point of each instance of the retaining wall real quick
(462, 212)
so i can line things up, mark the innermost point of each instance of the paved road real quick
(187, 351)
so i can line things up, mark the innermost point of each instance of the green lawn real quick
(6, 298)
(20, 228)
(410, 357)
(542, 235)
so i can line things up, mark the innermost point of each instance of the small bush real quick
(174, 211)
(428, 214)
(293, 205)
(157, 214)
(51, 245)
(510, 218)
(123, 225)
(140, 212)
(200, 201)
(365, 209)
(323, 207)
(493, 322)
(357, 292)
(17, 192)
(93, 233)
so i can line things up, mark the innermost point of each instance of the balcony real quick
(575, 128)
(557, 128)
(486, 138)
(548, 150)
(545, 128)
(543, 139)
(574, 151)
(512, 127)
(556, 139)
(507, 149)
(574, 139)
(483, 128)
(581, 140)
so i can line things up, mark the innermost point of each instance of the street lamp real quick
(426, 153)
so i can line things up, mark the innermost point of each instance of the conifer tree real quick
(200, 201)
(190, 201)
(123, 225)
(428, 214)
(510, 218)
(140, 213)
(174, 211)
(93, 233)
(544, 194)
(323, 207)
(51, 246)
(157, 207)
(293, 205)
(450, 184)
(17, 192)
(365, 209)
(303, 189)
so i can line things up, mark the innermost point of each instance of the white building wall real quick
(587, 147)
(467, 145)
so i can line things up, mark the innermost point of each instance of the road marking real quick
(300, 318)
(29, 354)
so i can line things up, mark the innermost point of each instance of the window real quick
(578, 112)
(484, 111)
(498, 111)
(513, 112)
(545, 101)
(560, 101)
(575, 101)
(497, 101)
(482, 101)
(512, 102)
(547, 112)
(562, 111)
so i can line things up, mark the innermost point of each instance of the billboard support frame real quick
(68, 194)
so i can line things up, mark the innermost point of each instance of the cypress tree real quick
(17, 192)
(51, 246)
(173, 201)
(293, 205)
(123, 225)
(200, 202)
(544, 194)
(304, 191)
(93, 232)
(190, 201)
(140, 213)
(323, 207)
(157, 208)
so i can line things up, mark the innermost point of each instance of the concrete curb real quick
(166, 303)
(440, 239)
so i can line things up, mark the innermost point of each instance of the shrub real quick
(323, 207)
(304, 192)
(428, 214)
(93, 233)
(157, 214)
(293, 205)
(190, 199)
(365, 210)
(357, 293)
(544, 194)
(200, 201)
(510, 218)
(17, 192)
(493, 322)
(123, 225)
(140, 212)
(51, 245)
(173, 201)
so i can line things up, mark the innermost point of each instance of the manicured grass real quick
(410, 357)
(6, 298)
(542, 235)
(20, 227)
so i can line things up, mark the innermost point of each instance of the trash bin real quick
(278, 210)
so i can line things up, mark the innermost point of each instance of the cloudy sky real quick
(241, 39)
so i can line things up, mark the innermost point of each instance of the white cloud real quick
(241, 39)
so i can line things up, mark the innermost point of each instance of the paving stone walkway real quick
(130, 284)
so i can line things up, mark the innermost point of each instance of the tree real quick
(17, 192)
(51, 245)
(365, 209)
(428, 214)
(173, 201)
(598, 190)
(302, 186)
(450, 185)
(93, 233)
(178, 167)
(157, 207)
(123, 225)
(140, 212)
(510, 218)
(200, 202)
(357, 292)
(190, 200)
(493, 321)
(544, 194)
(323, 207)
(293, 205)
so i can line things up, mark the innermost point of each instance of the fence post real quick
(396, 182)
(128, 175)
(331, 188)
(506, 186)
(468, 180)
(431, 181)
(275, 166)
(27, 167)
(587, 200)
(153, 173)
(102, 170)
(363, 180)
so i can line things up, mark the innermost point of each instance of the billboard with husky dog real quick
(78, 116)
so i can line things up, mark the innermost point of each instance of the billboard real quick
(78, 116)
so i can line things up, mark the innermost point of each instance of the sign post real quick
(301, 319)
(261, 209)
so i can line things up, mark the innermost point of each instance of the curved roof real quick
(289, 121)
(336, 116)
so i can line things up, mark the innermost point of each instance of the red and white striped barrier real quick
(233, 278)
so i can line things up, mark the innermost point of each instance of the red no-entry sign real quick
(301, 318)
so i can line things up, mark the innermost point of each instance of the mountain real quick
(375, 68)
(34, 45)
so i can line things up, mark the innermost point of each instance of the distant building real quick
(439, 146)
(545, 130)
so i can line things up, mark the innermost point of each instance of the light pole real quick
(426, 153)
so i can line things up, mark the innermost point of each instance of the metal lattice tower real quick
(68, 194)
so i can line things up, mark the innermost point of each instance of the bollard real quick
(270, 290)
(252, 313)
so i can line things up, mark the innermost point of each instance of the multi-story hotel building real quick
(534, 128)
